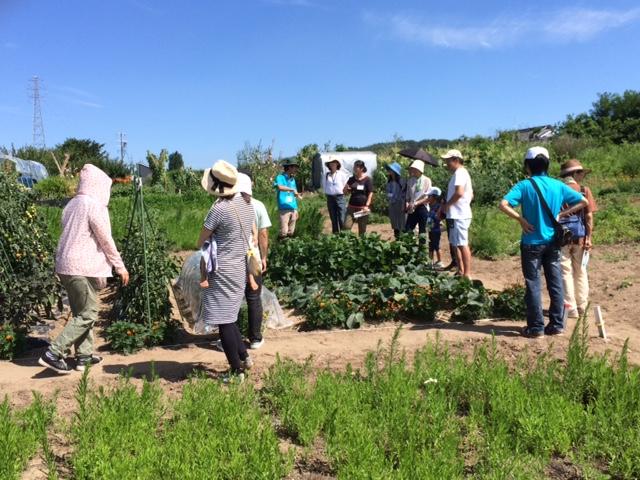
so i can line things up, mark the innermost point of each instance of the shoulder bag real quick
(254, 267)
(563, 235)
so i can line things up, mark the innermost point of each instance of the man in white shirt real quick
(254, 297)
(458, 209)
(333, 183)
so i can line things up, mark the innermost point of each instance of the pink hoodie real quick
(86, 247)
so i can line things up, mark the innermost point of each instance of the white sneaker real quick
(248, 363)
(256, 344)
(573, 313)
(230, 378)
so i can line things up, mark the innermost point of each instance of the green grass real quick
(181, 216)
(440, 416)
(21, 434)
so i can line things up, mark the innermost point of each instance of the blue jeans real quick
(337, 210)
(418, 217)
(547, 257)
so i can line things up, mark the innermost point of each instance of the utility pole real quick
(38, 126)
(123, 146)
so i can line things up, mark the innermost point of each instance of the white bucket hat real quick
(418, 165)
(221, 179)
(244, 184)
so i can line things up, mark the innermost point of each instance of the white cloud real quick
(565, 25)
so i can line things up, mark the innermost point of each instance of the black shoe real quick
(451, 266)
(54, 362)
(87, 361)
(553, 331)
(526, 332)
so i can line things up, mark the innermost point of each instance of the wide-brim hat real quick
(290, 163)
(394, 167)
(572, 166)
(418, 165)
(331, 160)
(221, 179)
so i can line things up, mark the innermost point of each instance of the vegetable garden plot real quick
(341, 281)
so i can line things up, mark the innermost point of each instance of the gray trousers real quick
(83, 299)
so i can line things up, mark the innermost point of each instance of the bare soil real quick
(615, 286)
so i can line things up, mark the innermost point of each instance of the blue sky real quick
(204, 77)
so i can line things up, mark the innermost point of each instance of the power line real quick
(38, 126)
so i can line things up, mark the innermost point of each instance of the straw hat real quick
(571, 166)
(221, 179)
(418, 165)
(331, 160)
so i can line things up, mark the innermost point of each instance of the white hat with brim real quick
(221, 179)
(452, 154)
(418, 165)
(434, 192)
(331, 160)
(244, 184)
(533, 152)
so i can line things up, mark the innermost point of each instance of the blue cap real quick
(395, 167)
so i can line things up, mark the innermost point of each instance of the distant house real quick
(541, 133)
(29, 171)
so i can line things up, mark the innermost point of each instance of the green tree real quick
(612, 118)
(158, 166)
(175, 161)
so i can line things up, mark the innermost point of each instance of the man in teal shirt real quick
(285, 184)
(537, 247)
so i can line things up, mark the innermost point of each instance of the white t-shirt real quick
(333, 184)
(262, 218)
(462, 208)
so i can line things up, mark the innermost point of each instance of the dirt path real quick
(615, 280)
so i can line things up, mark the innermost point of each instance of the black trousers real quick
(233, 346)
(254, 307)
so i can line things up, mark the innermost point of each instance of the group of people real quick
(415, 202)
(236, 229)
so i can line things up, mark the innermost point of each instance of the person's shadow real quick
(487, 328)
(167, 370)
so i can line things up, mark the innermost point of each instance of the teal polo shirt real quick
(286, 200)
(555, 192)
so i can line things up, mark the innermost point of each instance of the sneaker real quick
(230, 378)
(248, 363)
(451, 266)
(554, 331)
(217, 345)
(438, 266)
(256, 344)
(573, 313)
(54, 362)
(87, 361)
(526, 332)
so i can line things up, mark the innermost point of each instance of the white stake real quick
(600, 322)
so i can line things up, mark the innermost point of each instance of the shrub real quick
(28, 286)
(55, 188)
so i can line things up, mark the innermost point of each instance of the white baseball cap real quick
(533, 152)
(244, 184)
(453, 153)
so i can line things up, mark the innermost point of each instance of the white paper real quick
(585, 259)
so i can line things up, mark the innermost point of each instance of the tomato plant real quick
(29, 288)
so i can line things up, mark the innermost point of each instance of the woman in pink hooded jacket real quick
(85, 257)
